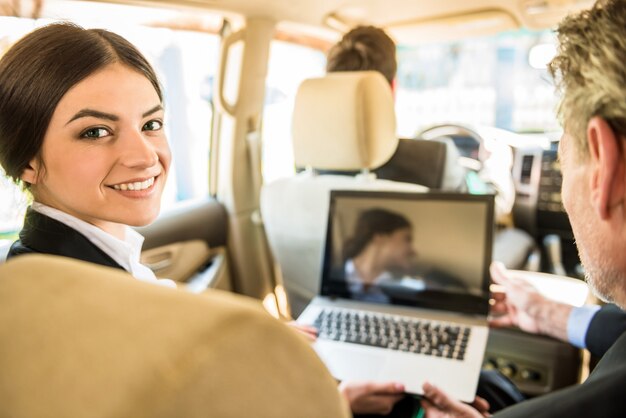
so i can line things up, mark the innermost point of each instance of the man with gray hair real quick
(590, 72)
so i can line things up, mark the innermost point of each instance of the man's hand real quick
(513, 306)
(370, 397)
(437, 404)
(520, 304)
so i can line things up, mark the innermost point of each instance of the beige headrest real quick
(80, 340)
(344, 121)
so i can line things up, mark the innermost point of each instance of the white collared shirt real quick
(357, 288)
(125, 252)
(375, 293)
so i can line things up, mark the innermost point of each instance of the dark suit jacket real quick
(42, 234)
(606, 326)
(602, 395)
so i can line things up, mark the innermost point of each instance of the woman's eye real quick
(95, 133)
(153, 125)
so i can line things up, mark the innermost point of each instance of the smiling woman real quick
(105, 164)
(81, 127)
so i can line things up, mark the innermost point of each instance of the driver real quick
(368, 48)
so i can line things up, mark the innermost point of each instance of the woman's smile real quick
(135, 185)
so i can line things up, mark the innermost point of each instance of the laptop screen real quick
(429, 250)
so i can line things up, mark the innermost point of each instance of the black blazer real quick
(42, 234)
(606, 326)
(602, 394)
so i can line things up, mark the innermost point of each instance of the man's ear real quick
(607, 166)
(31, 172)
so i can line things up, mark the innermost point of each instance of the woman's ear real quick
(31, 172)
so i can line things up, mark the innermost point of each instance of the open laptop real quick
(408, 304)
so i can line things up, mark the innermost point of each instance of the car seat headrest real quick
(344, 121)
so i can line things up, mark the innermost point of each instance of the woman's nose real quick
(137, 150)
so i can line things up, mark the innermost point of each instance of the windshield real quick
(498, 81)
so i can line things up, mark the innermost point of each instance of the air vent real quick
(527, 169)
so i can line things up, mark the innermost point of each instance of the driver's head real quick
(590, 73)
(364, 48)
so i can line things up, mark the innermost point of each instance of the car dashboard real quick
(538, 206)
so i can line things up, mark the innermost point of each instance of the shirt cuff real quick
(578, 324)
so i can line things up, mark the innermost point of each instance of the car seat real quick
(343, 122)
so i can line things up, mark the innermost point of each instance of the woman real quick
(81, 128)
(380, 249)
(381, 254)
(94, 157)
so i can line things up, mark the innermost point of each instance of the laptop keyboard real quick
(395, 332)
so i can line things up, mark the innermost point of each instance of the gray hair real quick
(590, 70)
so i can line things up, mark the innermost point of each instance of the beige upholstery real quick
(355, 109)
(344, 121)
(80, 340)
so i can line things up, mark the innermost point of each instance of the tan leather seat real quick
(344, 121)
(80, 340)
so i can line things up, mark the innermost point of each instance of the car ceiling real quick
(408, 21)
(400, 17)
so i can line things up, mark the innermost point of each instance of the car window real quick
(289, 65)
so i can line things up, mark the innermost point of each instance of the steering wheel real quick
(481, 152)
(468, 142)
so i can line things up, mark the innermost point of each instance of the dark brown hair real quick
(364, 48)
(370, 223)
(37, 72)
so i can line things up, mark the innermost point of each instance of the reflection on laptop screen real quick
(430, 250)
